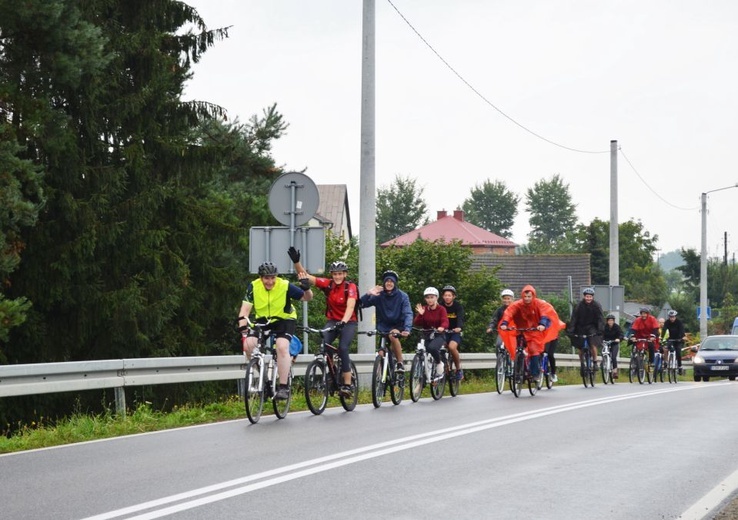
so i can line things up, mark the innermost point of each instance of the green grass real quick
(83, 427)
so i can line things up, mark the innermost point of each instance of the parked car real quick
(716, 356)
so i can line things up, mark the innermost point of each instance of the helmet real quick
(430, 290)
(338, 266)
(449, 288)
(507, 292)
(267, 269)
(390, 274)
(672, 314)
(588, 290)
(610, 317)
(644, 309)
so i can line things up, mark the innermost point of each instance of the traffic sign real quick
(293, 193)
(709, 312)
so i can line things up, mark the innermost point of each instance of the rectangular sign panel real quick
(270, 244)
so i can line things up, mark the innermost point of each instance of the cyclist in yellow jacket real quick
(271, 299)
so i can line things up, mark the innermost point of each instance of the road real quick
(624, 451)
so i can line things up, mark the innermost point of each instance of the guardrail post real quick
(120, 401)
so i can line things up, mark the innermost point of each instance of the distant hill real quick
(671, 260)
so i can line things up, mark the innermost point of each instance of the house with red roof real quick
(453, 227)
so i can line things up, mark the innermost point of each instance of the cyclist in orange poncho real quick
(530, 312)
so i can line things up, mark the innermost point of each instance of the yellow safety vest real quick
(273, 304)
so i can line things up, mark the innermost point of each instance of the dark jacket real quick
(393, 310)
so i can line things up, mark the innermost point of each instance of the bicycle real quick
(503, 368)
(606, 368)
(521, 367)
(423, 370)
(546, 370)
(261, 375)
(638, 367)
(586, 364)
(658, 366)
(672, 366)
(323, 376)
(384, 372)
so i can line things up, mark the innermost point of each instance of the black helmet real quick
(449, 288)
(644, 309)
(338, 266)
(610, 317)
(268, 269)
(390, 274)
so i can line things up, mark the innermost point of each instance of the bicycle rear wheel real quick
(453, 379)
(500, 372)
(316, 388)
(397, 383)
(349, 403)
(254, 390)
(378, 385)
(282, 406)
(417, 374)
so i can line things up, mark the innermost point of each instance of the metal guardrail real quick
(45, 378)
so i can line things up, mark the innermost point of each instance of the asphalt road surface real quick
(624, 451)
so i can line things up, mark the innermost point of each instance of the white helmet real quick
(430, 290)
(507, 292)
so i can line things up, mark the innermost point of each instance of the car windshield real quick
(720, 344)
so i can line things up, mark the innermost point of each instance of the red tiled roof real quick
(450, 228)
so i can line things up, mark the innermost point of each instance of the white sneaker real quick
(554, 378)
(439, 370)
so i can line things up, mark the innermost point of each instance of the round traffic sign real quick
(303, 205)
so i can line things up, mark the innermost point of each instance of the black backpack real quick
(357, 308)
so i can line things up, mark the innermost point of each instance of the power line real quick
(620, 149)
(483, 98)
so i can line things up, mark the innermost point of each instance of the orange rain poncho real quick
(523, 315)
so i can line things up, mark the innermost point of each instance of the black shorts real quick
(280, 328)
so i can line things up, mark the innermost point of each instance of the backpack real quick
(357, 307)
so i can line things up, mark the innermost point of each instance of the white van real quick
(735, 327)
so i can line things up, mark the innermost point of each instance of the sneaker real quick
(680, 371)
(615, 373)
(439, 370)
(283, 393)
(400, 367)
(554, 378)
(345, 391)
(459, 375)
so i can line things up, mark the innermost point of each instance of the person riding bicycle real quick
(455, 312)
(507, 297)
(646, 327)
(674, 330)
(340, 310)
(271, 299)
(432, 316)
(614, 334)
(394, 313)
(530, 312)
(587, 319)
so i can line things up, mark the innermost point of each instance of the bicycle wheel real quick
(546, 371)
(438, 384)
(516, 384)
(583, 371)
(397, 383)
(650, 376)
(254, 390)
(349, 403)
(453, 378)
(416, 378)
(316, 388)
(605, 369)
(535, 383)
(378, 385)
(641, 370)
(633, 369)
(282, 406)
(500, 372)
(591, 372)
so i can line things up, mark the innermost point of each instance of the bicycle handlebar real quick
(380, 333)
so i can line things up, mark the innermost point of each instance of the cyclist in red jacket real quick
(646, 327)
(432, 316)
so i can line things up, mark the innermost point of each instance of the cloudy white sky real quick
(658, 76)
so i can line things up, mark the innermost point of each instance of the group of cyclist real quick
(440, 317)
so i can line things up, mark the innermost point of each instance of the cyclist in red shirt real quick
(432, 316)
(646, 327)
(340, 297)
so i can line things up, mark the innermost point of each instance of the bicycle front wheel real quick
(633, 369)
(254, 390)
(316, 388)
(641, 370)
(397, 384)
(535, 383)
(282, 406)
(438, 385)
(516, 384)
(349, 403)
(500, 373)
(417, 373)
(378, 384)
(605, 369)
(584, 369)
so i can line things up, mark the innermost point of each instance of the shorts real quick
(453, 336)
(280, 328)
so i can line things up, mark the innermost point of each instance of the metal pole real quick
(703, 271)
(367, 201)
(614, 244)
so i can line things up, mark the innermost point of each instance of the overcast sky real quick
(658, 76)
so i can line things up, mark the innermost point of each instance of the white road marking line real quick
(319, 465)
(712, 499)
